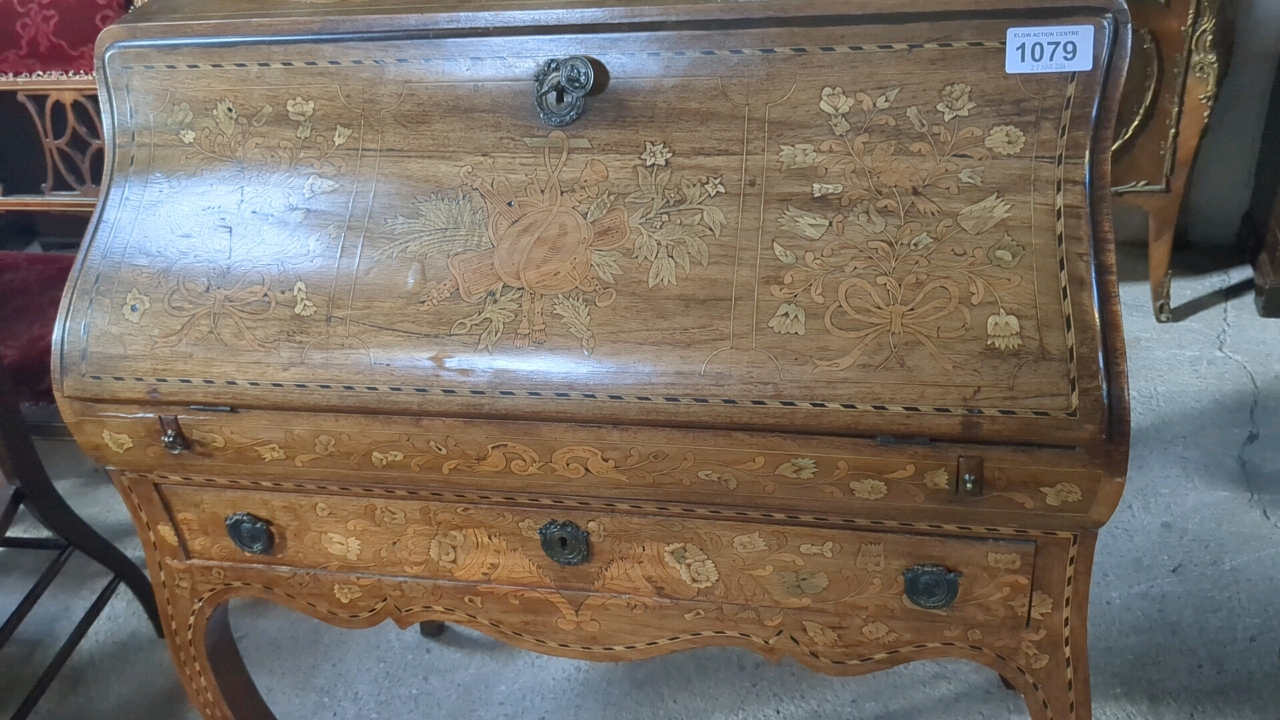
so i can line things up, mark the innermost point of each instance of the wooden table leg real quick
(1162, 224)
(1207, 63)
(431, 628)
(212, 670)
(1163, 221)
(192, 602)
(1266, 275)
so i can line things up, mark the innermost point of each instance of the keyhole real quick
(560, 101)
(564, 543)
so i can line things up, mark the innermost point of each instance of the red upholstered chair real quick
(53, 36)
(46, 55)
(30, 290)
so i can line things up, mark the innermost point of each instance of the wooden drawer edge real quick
(1023, 486)
(650, 557)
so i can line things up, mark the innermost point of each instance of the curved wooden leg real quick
(193, 612)
(214, 674)
(1056, 695)
(19, 460)
(1054, 649)
(1164, 209)
(431, 628)
(1162, 223)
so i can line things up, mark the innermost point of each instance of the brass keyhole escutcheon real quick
(564, 542)
(560, 89)
(931, 587)
(250, 534)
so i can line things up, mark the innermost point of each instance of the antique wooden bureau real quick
(611, 329)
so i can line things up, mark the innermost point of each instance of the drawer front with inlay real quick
(653, 559)
(1043, 487)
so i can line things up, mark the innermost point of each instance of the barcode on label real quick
(1060, 48)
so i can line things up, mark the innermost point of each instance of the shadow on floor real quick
(1131, 266)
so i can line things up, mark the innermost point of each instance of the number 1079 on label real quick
(1064, 48)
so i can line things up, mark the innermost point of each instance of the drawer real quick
(726, 566)
(1023, 487)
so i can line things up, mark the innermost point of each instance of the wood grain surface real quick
(1043, 655)
(811, 297)
(1038, 487)
(775, 269)
(642, 561)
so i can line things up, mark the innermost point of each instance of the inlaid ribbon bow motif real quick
(921, 318)
(246, 185)
(900, 218)
(209, 306)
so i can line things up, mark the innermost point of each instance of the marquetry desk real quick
(611, 329)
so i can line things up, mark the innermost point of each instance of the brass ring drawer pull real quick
(560, 89)
(931, 587)
(565, 542)
(251, 534)
(173, 441)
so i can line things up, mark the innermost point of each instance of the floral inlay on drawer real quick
(638, 561)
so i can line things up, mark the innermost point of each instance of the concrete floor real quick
(1185, 620)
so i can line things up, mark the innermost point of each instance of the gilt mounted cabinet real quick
(1181, 49)
(611, 329)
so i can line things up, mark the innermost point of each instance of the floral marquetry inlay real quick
(899, 260)
(639, 562)
(166, 531)
(118, 442)
(746, 472)
(513, 254)
(694, 566)
(224, 263)
(135, 304)
(714, 364)
(346, 593)
(724, 473)
(1063, 492)
(799, 236)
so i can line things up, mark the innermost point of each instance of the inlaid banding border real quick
(574, 395)
(603, 505)
(742, 52)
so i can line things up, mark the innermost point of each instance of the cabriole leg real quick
(431, 629)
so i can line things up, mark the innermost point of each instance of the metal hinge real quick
(969, 476)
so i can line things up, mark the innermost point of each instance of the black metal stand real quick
(33, 489)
